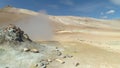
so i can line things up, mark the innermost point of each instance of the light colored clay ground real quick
(94, 44)
(89, 56)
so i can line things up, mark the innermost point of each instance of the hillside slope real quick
(92, 42)
(69, 28)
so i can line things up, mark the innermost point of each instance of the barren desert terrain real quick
(93, 43)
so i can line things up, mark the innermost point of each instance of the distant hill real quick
(65, 24)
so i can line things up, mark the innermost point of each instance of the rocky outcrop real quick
(12, 33)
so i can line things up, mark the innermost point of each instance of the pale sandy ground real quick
(91, 57)
(90, 51)
(100, 50)
(93, 43)
(88, 56)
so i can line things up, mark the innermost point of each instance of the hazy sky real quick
(87, 8)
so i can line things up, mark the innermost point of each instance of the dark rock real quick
(59, 53)
(44, 64)
(36, 65)
(64, 57)
(13, 34)
(67, 56)
(77, 64)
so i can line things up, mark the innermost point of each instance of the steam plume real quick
(38, 27)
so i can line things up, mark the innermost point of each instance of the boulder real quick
(12, 33)
(26, 49)
(34, 50)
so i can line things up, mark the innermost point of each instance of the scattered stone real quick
(64, 57)
(41, 64)
(26, 49)
(56, 48)
(77, 64)
(67, 56)
(44, 66)
(34, 50)
(59, 53)
(44, 63)
(62, 62)
(49, 60)
(36, 65)
(71, 56)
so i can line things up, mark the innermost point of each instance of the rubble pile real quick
(12, 33)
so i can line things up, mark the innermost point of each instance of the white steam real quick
(37, 27)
